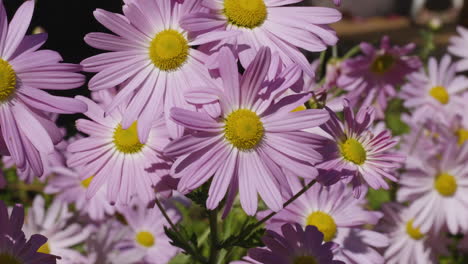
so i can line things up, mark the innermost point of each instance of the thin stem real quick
(352, 52)
(214, 250)
(163, 211)
(305, 189)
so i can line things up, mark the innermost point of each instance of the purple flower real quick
(294, 245)
(14, 248)
(26, 129)
(116, 158)
(371, 78)
(354, 152)
(150, 54)
(247, 138)
(267, 23)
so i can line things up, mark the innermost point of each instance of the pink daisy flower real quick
(14, 248)
(115, 156)
(294, 245)
(408, 244)
(353, 151)
(437, 93)
(147, 239)
(26, 129)
(458, 48)
(55, 224)
(371, 78)
(284, 29)
(253, 135)
(438, 191)
(68, 187)
(338, 216)
(150, 54)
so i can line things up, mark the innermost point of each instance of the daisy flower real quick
(150, 54)
(14, 248)
(338, 215)
(438, 191)
(267, 23)
(294, 245)
(54, 224)
(253, 137)
(115, 156)
(147, 238)
(371, 78)
(458, 46)
(353, 151)
(408, 244)
(25, 71)
(69, 188)
(435, 94)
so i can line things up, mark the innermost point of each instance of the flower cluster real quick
(205, 106)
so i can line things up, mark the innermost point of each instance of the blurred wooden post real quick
(464, 15)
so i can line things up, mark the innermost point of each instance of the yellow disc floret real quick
(352, 150)
(382, 63)
(305, 260)
(44, 249)
(412, 231)
(445, 184)
(8, 259)
(462, 135)
(324, 223)
(126, 140)
(169, 50)
(245, 13)
(440, 94)
(145, 238)
(243, 129)
(86, 182)
(7, 81)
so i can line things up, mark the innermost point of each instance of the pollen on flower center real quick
(445, 184)
(245, 13)
(169, 50)
(44, 249)
(126, 140)
(462, 135)
(352, 150)
(145, 238)
(440, 94)
(382, 63)
(305, 260)
(7, 81)
(243, 129)
(324, 223)
(9, 259)
(86, 182)
(412, 231)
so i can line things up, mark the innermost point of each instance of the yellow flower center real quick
(305, 260)
(382, 64)
(126, 140)
(243, 129)
(8, 259)
(462, 135)
(412, 231)
(299, 108)
(445, 184)
(245, 13)
(440, 94)
(145, 238)
(352, 150)
(85, 183)
(7, 81)
(169, 50)
(324, 223)
(44, 249)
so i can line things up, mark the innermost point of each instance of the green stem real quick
(352, 52)
(214, 249)
(168, 219)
